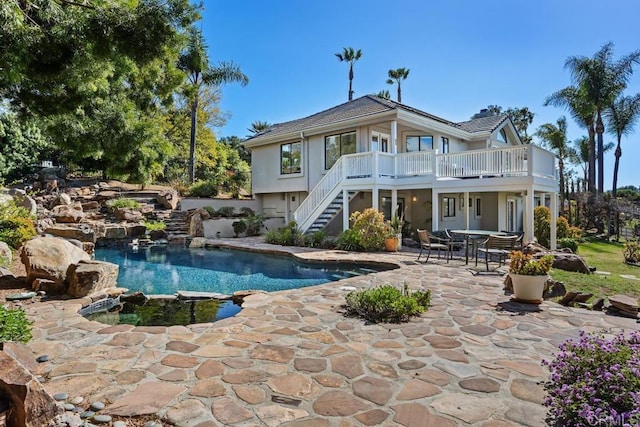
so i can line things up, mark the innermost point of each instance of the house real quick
(374, 152)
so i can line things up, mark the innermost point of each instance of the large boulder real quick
(62, 199)
(71, 213)
(50, 258)
(128, 214)
(82, 232)
(90, 277)
(569, 262)
(115, 231)
(21, 198)
(168, 199)
(31, 405)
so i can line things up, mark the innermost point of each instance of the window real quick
(502, 136)
(419, 143)
(449, 206)
(478, 208)
(338, 145)
(290, 156)
(445, 145)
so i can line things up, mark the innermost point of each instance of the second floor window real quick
(290, 156)
(445, 145)
(419, 143)
(338, 145)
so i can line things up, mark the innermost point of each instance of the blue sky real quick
(463, 55)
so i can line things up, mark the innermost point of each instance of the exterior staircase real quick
(329, 213)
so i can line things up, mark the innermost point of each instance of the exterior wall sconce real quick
(414, 199)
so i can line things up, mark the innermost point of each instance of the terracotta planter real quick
(391, 244)
(528, 288)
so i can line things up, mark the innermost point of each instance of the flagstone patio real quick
(293, 358)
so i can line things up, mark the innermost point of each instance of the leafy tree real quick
(621, 117)
(98, 75)
(601, 79)
(235, 143)
(554, 136)
(194, 62)
(350, 56)
(384, 94)
(396, 76)
(629, 192)
(21, 147)
(521, 118)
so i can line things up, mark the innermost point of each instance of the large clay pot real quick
(391, 244)
(528, 288)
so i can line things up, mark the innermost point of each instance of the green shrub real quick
(349, 240)
(319, 239)
(289, 235)
(123, 202)
(369, 230)
(574, 233)
(562, 227)
(239, 227)
(210, 210)
(387, 303)
(245, 211)
(16, 225)
(567, 242)
(255, 223)
(542, 224)
(14, 325)
(226, 211)
(154, 225)
(527, 265)
(631, 251)
(204, 189)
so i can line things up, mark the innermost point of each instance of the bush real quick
(289, 235)
(388, 303)
(595, 381)
(210, 210)
(370, 229)
(154, 225)
(16, 225)
(542, 224)
(14, 325)
(631, 251)
(245, 211)
(349, 240)
(562, 227)
(226, 211)
(123, 202)
(239, 227)
(255, 224)
(570, 243)
(319, 239)
(204, 189)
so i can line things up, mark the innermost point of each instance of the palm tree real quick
(396, 76)
(350, 56)
(383, 94)
(582, 111)
(194, 62)
(554, 136)
(621, 117)
(602, 79)
(258, 126)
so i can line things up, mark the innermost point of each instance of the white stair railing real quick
(320, 197)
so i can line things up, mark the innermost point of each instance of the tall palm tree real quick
(194, 62)
(581, 109)
(602, 80)
(258, 126)
(621, 117)
(554, 136)
(396, 76)
(350, 56)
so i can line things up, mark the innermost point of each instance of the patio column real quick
(374, 198)
(345, 210)
(435, 208)
(528, 216)
(394, 136)
(553, 207)
(466, 209)
(394, 202)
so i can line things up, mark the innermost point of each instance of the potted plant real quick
(391, 240)
(396, 223)
(529, 275)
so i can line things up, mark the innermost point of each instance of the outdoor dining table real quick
(477, 233)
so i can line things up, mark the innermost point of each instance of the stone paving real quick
(293, 358)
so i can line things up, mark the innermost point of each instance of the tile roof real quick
(365, 106)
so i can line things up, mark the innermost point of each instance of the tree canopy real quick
(521, 117)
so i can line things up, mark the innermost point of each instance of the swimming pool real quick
(166, 270)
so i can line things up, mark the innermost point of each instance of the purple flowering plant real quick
(595, 381)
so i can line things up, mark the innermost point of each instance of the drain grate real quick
(101, 305)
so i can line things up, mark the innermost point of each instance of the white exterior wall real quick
(266, 177)
(188, 203)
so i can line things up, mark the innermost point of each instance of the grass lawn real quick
(605, 256)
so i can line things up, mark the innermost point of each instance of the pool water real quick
(166, 270)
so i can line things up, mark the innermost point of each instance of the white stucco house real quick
(374, 152)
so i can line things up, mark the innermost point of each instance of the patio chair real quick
(498, 246)
(519, 241)
(429, 242)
